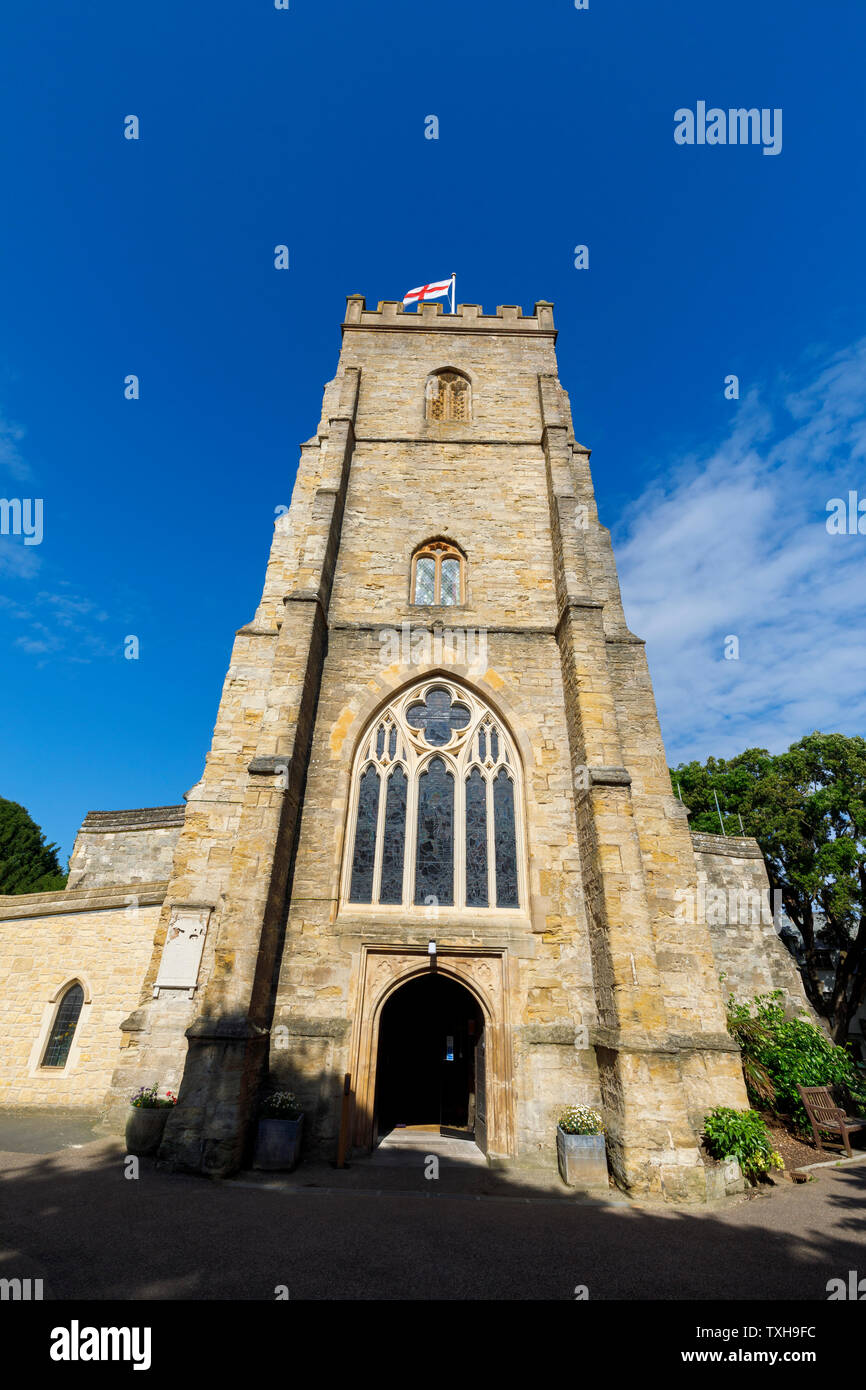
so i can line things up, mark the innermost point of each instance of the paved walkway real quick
(409, 1147)
(75, 1220)
(34, 1131)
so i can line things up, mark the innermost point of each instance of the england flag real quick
(437, 289)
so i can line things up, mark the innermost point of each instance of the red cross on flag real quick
(437, 289)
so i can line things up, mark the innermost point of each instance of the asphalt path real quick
(77, 1221)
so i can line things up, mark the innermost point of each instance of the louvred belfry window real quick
(448, 396)
(437, 575)
(434, 816)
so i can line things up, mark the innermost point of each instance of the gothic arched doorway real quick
(430, 1070)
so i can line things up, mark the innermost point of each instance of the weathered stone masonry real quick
(596, 989)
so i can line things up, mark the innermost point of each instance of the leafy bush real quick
(579, 1119)
(147, 1099)
(281, 1105)
(741, 1134)
(781, 1053)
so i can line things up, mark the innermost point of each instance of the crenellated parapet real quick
(467, 318)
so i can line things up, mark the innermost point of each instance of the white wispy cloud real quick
(734, 543)
(57, 627)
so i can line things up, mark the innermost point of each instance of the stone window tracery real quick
(434, 814)
(448, 396)
(437, 575)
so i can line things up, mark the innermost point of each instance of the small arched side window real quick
(63, 1028)
(437, 575)
(448, 396)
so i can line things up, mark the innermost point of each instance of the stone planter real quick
(278, 1144)
(582, 1159)
(144, 1129)
(724, 1179)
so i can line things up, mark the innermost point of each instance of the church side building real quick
(435, 846)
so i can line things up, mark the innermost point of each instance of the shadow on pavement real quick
(76, 1221)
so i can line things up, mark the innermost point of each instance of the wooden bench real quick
(824, 1113)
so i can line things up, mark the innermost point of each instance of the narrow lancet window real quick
(63, 1028)
(505, 840)
(394, 842)
(364, 859)
(476, 840)
(434, 857)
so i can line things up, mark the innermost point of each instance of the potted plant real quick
(281, 1123)
(148, 1112)
(580, 1147)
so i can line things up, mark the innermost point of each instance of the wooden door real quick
(481, 1092)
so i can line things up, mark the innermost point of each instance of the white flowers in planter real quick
(281, 1105)
(580, 1119)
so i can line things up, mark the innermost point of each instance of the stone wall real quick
(593, 990)
(119, 847)
(734, 899)
(100, 937)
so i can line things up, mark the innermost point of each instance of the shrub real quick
(741, 1134)
(147, 1099)
(781, 1053)
(579, 1119)
(281, 1105)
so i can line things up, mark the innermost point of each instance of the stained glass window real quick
(439, 826)
(394, 841)
(438, 717)
(434, 854)
(364, 857)
(425, 580)
(450, 581)
(63, 1029)
(476, 840)
(505, 841)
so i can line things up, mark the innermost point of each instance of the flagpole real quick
(453, 290)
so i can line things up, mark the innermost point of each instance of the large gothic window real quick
(434, 815)
(448, 396)
(437, 574)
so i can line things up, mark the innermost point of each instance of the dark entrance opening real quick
(430, 1070)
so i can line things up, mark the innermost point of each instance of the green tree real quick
(28, 864)
(807, 810)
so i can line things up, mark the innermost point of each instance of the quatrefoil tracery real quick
(438, 717)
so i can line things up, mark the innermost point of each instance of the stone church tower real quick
(435, 827)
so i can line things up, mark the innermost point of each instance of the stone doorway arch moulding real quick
(484, 972)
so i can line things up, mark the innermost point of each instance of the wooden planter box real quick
(582, 1159)
(278, 1144)
(144, 1129)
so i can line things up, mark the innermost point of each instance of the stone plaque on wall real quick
(181, 954)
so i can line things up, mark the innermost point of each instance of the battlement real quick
(469, 318)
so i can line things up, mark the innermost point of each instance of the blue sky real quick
(306, 127)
